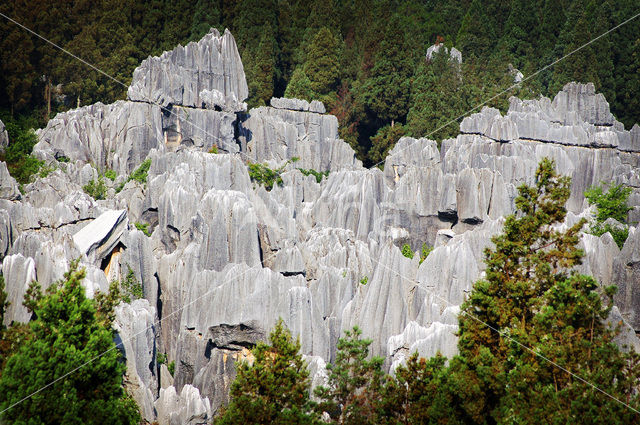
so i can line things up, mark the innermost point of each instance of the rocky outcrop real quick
(180, 76)
(275, 135)
(454, 55)
(117, 136)
(298, 105)
(99, 238)
(185, 408)
(222, 258)
(8, 186)
(4, 137)
(136, 328)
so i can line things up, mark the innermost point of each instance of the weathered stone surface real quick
(276, 135)
(179, 76)
(186, 408)
(626, 275)
(8, 185)
(298, 105)
(135, 325)
(4, 137)
(98, 239)
(455, 54)
(18, 272)
(117, 136)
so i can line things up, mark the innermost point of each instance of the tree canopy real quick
(69, 333)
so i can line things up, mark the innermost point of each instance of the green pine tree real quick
(68, 332)
(386, 92)
(354, 386)
(532, 294)
(477, 34)
(274, 389)
(322, 60)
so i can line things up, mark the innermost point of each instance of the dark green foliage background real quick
(363, 58)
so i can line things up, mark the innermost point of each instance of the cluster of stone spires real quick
(226, 258)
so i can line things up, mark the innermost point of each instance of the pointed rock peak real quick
(179, 76)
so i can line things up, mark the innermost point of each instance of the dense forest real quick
(365, 59)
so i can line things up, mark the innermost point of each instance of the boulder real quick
(98, 239)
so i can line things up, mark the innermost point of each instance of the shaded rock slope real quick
(226, 258)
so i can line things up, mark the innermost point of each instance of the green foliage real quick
(143, 227)
(274, 389)
(321, 65)
(619, 233)
(213, 150)
(45, 170)
(66, 334)
(96, 189)
(130, 287)
(364, 280)
(139, 175)
(424, 252)
(354, 381)
(384, 141)
(62, 159)
(612, 204)
(300, 86)
(317, 174)
(172, 367)
(532, 294)
(387, 90)
(110, 174)
(407, 251)
(418, 394)
(21, 165)
(262, 174)
(161, 358)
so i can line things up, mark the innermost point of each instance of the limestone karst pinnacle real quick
(227, 257)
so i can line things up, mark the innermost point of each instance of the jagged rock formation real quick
(455, 54)
(178, 77)
(4, 137)
(226, 258)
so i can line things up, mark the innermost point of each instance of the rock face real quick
(178, 77)
(4, 137)
(222, 258)
(455, 54)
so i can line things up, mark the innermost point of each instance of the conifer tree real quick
(263, 73)
(477, 34)
(387, 90)
(437, 97)
(274, 389)
(300, 86)
(353, 391)
(521, 34)
(322, 60)
(532, 294)
(67, 333)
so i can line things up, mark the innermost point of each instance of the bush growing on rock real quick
(611, 204)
